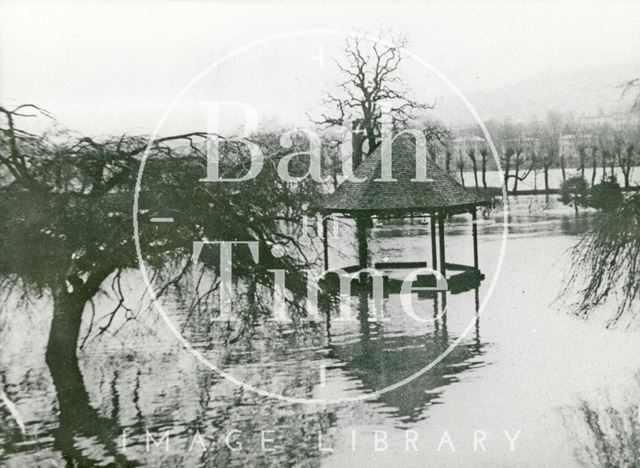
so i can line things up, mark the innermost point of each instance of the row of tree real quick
(558, 142)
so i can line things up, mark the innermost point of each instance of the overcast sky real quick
(113, 67)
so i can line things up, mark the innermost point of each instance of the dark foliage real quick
(608, 260)
(66, 218)
(606, 195)
(575, 192)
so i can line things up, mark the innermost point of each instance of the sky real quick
(114, 67)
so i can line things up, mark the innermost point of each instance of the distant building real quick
(569, 145)
(530, 144)
(615, 120)
(461, 145)
(568, 149)
(523, 144)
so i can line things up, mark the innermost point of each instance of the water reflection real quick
(75, 415)
(169, 392)
(606, 431)
(379, 360)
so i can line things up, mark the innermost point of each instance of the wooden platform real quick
(464, 279)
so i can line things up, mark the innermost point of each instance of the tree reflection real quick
(606, 434)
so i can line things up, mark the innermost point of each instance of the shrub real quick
(606, 195)
(574, 192)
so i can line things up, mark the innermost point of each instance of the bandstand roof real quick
(440, 193)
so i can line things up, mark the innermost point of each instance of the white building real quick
(463, 144)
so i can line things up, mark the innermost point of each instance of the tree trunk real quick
(484, 171)
(362, 223)
(461, 176)
(613, 166)
(475, 174)
(76, 415)
(61, 354)
(357, 139)
(370, 136)
(564, 174)
(546, 182)
(625, 165)
(517, 172)
(506, 178)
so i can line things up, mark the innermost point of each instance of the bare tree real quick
(550, 151)
(626, 150)
(626, 161)
(519, 154)
(506, 135)
(605, 146)
(525, 160)
(448, 156)
(332, 157)
(587, 151)
(437, 136)
(370, 70)
(507, 158)
(471, 153)
(460, 166)
(581, 147)
(484, 156)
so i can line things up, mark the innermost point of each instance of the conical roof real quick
(441, 192)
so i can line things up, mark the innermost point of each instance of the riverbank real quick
(497, 191)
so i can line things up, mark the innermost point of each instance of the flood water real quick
(521, 375)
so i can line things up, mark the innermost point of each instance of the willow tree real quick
(607, 259)
(66, 227)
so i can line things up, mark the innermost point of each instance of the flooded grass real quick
(526, 366)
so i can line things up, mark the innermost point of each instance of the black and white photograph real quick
(364, 233)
